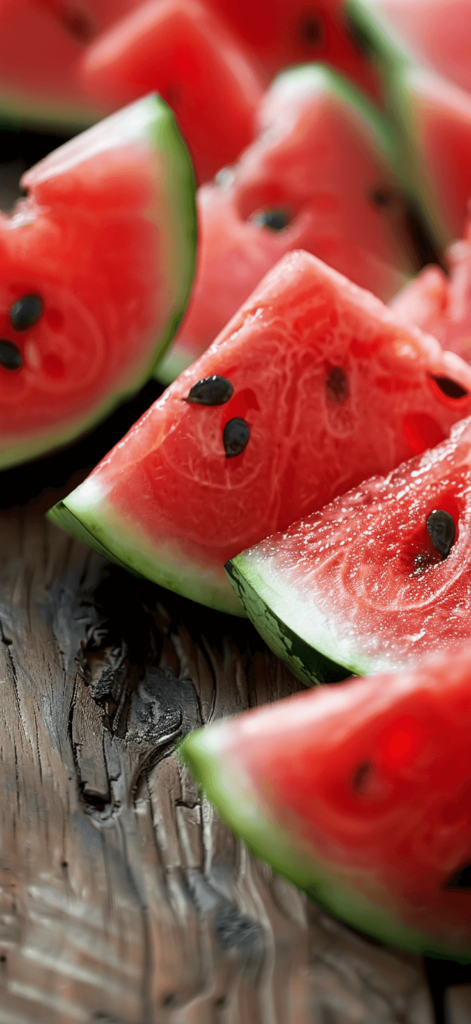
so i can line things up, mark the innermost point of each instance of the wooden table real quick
(123, 898)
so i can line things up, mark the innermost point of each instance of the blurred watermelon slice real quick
(40, 44)
(95, 270)
(317, 177)
(179, 49)
(430, 122)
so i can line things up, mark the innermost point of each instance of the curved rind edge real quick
(163, 136)
(87, 515)
(227, 786)
(309, 664)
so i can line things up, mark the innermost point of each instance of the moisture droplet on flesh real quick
(211, 391)
(441, 530)
(10, 355)
(25, 312)
(235, 435)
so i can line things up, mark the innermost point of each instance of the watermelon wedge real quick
(317, 177)
(436, 31)
(310, 386)
(441, 304)
(95, 270)
(360, 795)
(424, 301)
(179, 49)
(41, 42)
(376, 579)
(283, 33)
(430, 120)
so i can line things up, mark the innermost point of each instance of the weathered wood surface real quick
(123, 898)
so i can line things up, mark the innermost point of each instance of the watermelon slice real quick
(424, 301)
(311, 386)
(437, 31)
(360, 794)
(41, 42)
(187, 55)
(95, 270)
(430, 121)
(441, 304)
(376, 579)
(317, 178)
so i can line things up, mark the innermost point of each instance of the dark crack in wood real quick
(123, 897)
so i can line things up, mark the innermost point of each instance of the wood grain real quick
(123, 898)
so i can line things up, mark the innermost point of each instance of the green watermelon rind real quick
(87, 515)
(228, 787)
(320, 654)
(28, 112)
(395, 64)
(151, 120)
(308, 663)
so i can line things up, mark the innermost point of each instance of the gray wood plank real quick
(123, 898)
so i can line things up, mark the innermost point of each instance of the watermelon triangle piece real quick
(315, 386)
(317, 177)
(441, 304)
(184, 52)
(95, 269)
(360, 795)
(366, 582)
(430, 122)
(41, 42)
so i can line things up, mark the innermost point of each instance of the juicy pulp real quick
(329, 387)
(41, 42)
(179, 49)
(360, 795)
(360, 582)
(322, 157)
(106, 239)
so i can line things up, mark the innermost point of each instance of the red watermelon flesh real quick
(437, 31)
(40, 44)
(438, 116)
(423, 302)
(187, 55)
(363, 582)
(439, 304)
(103, 247)
(320, 162)
(323, 388)
(361, 795)
(85, 19)
(281, 33)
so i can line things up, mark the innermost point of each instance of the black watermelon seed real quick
(25, 312)
(361, 775)
(441, 530)
(337, 384)
(235, 435)
(382, 196)
(10, 355)
(311, 30)
(449, 387)
(461, 879)
(274, 220)
(211, 391)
